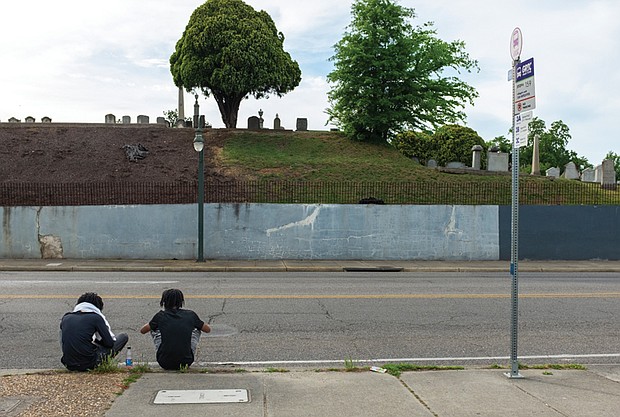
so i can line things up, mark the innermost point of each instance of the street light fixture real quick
(199, 147)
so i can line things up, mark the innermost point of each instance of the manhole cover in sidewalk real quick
(207, 396)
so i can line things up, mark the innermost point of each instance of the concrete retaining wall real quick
(253, 231)
(296, 231)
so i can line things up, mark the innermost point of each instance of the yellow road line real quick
(318, 296)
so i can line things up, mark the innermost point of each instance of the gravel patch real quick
(59, 393)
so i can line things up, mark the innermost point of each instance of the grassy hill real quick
(244, 166)
(325, 156)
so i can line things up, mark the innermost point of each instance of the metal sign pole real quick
(516, 45)
(514, 256)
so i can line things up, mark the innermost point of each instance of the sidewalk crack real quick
(542, 401)
(417, 397)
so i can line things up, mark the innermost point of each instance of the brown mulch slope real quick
(78, 153)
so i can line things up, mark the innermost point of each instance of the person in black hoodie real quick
(85, 335)
(175, 331)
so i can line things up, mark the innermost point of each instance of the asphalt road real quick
(321, 319)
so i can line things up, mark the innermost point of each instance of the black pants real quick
(103, 352)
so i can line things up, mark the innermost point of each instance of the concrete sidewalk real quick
(301, 393)
(128, 265)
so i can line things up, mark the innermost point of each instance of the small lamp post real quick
(199, 147)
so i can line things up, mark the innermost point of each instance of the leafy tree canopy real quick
(552, 146)
(230, 50)
(450, 143)
(390, 76)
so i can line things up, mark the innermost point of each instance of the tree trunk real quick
(229, 108)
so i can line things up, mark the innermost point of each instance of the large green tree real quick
(390, 76)
(552, 146)
(232, 51)
(450, 143)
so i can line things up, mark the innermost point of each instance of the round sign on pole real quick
(516, 44)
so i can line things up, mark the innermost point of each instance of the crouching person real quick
(85, 335)
(175, 331)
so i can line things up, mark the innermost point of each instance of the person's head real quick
(91, 297)
(172, 299)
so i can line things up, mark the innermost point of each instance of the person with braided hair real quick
(176, 331)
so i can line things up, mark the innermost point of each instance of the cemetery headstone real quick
(608, 180)
(276, 123)
(455, 164)
(431, 163)
(110, 118)
(587, 175)
(46, 119)
(570, 171)
(553, 172)
(476, 159)
(253, 123)
(497, 161)
(142, 119)
(30, 119)
(126, 120)
(598, 173)
(302, 124)
(161, 120)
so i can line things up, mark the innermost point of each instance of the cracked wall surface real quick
(253, 231)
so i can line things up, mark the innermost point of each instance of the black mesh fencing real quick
(307, 192)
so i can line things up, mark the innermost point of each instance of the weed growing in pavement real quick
(107, 365)
(184, 369)
(556, 366)
(140, 368)
(276, 370)
(395, 369)
(349, 364)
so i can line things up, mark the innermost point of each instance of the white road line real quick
(393, 360)
(13, 282)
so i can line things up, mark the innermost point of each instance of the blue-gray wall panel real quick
(563, 232)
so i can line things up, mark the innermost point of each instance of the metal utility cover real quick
(208, 396)
(8, 404)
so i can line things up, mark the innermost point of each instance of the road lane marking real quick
(322, 296)
(41, 281)
(566, 357)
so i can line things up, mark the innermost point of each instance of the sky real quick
(77, 61)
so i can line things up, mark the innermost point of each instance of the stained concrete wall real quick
(253, 231)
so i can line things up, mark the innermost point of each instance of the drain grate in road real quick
(209, 396)
(372, 269)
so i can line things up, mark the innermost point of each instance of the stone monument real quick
(476, 159)
(570, 171)
(497, 161)
(253, 123)
(302, 124)
(553, 172)
(608, 179)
